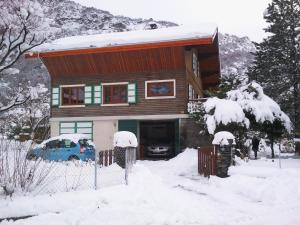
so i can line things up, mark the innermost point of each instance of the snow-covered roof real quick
(125, 139)
(222, 137)
(177, 33)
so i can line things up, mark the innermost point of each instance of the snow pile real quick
(125, 139)
(72, 137)
(222, 137)
(131, 37)
(223, 111)
(256, 193)
(252, 99)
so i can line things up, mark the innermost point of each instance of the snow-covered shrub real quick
(17, 174)
(245, 108)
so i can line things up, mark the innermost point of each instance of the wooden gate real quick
(207, 161)
(106, 158)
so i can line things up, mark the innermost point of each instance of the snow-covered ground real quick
(171, 192)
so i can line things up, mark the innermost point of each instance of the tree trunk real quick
(272, 148)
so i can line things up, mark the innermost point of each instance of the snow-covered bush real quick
(245, 108)
(17, 174)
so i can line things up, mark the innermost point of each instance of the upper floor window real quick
(72, 95)
(160, 89)
(114, 93)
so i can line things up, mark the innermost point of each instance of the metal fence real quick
(22, 174)
(130, 160)
(78, 175)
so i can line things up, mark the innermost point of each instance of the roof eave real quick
(119, 48)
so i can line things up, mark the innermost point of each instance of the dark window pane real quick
(72, 95)
(114, 94)
(65, 96)
(81, 96)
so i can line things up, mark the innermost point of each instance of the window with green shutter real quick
(55, 96)
(88, 95)
(97, 94)
(132, 93)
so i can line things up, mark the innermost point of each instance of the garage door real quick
(77, 128)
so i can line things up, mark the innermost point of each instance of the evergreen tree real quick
(277, 60)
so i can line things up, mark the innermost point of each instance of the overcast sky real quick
(239, 17)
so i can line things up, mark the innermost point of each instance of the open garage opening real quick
(157, 139)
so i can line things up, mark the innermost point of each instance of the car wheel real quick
(73, 158)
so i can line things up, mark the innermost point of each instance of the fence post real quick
(126, 166)
(95, 178)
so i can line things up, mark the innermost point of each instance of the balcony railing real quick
(194, 105)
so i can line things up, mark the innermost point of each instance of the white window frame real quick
(60, 96)
(110, 84)
(160, 81)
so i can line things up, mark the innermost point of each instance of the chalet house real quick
(139, 81)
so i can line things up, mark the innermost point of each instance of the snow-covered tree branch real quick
(22, 27)
(20, 22)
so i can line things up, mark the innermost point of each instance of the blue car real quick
(63, 148)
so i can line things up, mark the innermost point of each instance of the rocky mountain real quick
(67, 18)
(235, 55)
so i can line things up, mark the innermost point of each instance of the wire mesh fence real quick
(130, 159)
(39, 176)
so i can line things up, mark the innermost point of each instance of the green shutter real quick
(97, 94)
(132, 93)
(88, 95)
(55, 96)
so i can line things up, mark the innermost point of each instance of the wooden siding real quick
(144, 106)
(194, 80)
(209, 61)
(163, 59)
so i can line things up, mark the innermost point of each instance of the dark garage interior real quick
(157, 139)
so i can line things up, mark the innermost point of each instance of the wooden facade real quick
(136, 66)
(142, 107)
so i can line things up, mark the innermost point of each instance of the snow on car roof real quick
(182, 32)
(72, 137)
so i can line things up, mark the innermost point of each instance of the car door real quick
(52, 150)
(67, 149)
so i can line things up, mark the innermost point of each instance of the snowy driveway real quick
(171, 192)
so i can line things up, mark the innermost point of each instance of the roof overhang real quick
(118, 48)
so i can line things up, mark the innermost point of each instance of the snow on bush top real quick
(248, 98)
(252, 99)
(225, 112)
(130, 37)
(125, 139)
(72, 137)
(222, 137)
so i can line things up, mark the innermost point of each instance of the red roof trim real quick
(202, 41)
